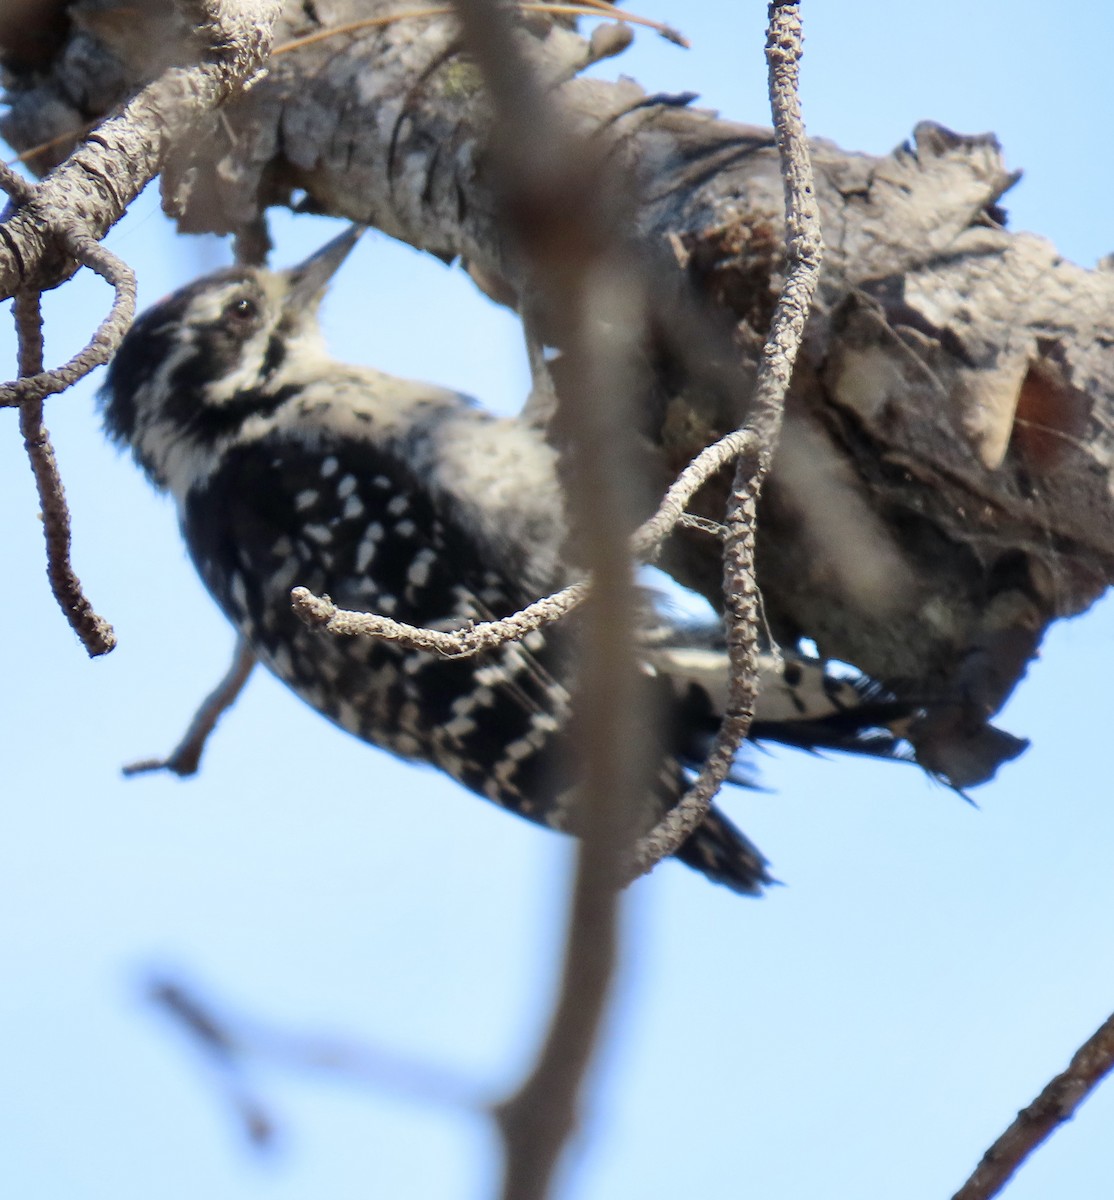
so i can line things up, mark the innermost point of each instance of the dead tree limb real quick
(208, 49)
(942, 491)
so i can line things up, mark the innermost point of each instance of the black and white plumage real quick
(406, 499)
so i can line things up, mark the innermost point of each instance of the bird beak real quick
(309, 279)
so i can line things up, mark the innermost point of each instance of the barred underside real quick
(406, 500)
(351, 524)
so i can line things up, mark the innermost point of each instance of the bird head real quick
(200, 363)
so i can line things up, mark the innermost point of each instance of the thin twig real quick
(21, 190)
(108, 335)
(1057, 1103)
(742, 601)
(588, 9)
(232, 1044)
(322, 613)
(95, 633)
(607, 8)
(185, 758)
(671, 511)
(714, 529)
(70, 135)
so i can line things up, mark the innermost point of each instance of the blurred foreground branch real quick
(565, 210)
(230, 1044)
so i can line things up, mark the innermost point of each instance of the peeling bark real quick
(943, 488)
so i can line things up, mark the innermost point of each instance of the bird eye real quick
(242, 310)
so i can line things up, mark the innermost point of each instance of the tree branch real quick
(231, 1043)
(93, 188)
(566, 213)
(95, 633)
(185, 758)
(956, 387)
(1057, 1103)
(320, 612)
(804, 248)
(70, 212)
(104, 341)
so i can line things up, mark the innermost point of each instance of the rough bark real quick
(201, 52)
(943, 487)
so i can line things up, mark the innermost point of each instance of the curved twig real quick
(322, 613)
(73, 208)
(107, 337)
(95, 632)
(742, 610)
(185, 758)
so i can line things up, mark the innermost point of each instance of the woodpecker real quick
(290, 469)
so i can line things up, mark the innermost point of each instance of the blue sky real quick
(863, 1032)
